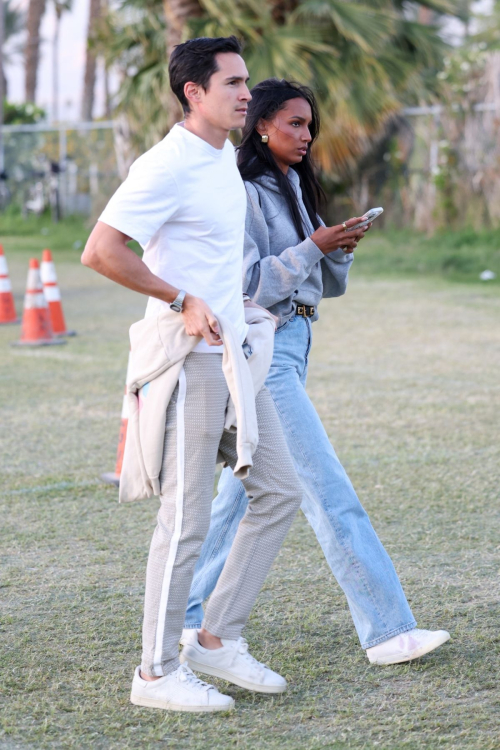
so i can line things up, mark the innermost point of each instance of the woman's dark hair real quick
(256, 159)
(195, 61)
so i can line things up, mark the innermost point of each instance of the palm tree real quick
(132, 39)
(36, 9)
(60, 6)
(364, 61)
(95, 8)
(14, 22)
(177, 15)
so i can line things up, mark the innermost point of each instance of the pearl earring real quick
(264, 138)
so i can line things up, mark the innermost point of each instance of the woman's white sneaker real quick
(407, 646)
(233, 663)
(187, 635)
(178, 691)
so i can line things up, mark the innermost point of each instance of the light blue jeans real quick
(352, 549)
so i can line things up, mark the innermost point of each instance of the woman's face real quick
(288, 132)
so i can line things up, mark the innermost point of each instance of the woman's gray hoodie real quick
(279, 270)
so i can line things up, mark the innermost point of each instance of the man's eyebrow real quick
(237, 78)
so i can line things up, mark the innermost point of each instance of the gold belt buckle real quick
(300, 310)
(312, 312)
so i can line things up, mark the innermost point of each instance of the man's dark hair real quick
(195, 61)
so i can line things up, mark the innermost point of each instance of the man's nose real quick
(246, 95)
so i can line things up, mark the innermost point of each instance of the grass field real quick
(456, 256)
(404, 373)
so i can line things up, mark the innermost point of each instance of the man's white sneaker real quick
(407, 646)
(178, 691)
(233, 663)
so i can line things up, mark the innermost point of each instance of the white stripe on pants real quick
(179, 507)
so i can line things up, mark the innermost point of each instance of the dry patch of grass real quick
(405, 376)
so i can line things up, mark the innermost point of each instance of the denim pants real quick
(352, 549)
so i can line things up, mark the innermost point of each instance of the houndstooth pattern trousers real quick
(194, 433)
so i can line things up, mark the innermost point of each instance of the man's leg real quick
(228, 509)
(195, 421)
(274, 495)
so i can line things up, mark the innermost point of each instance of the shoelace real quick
(184, 674)
(242, 648)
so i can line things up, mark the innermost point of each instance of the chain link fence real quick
(71, 169)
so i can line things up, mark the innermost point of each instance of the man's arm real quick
(107, 253)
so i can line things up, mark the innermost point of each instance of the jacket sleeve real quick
(268, 278)
(335, 270)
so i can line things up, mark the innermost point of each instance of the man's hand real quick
(331, 238)
(251, 303)
(199, 320)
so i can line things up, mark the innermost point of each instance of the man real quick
(185, 203)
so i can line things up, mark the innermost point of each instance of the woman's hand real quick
(199, 320)
(331, 238)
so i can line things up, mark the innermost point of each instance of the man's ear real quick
(192, 92)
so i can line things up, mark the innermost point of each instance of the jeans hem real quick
(190, 626)
(390, 634)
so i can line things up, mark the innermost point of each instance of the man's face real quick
(224, 103)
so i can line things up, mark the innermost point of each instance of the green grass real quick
(455, 256)
(36, 233)
(404, 373)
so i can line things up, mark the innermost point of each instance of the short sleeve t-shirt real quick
(184, 202)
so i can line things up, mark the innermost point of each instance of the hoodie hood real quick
(269, 182)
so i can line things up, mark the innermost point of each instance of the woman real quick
(291, 262)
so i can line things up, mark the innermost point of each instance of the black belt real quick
(306, 311)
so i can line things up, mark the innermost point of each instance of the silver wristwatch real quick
(176, 305)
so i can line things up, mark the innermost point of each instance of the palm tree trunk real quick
(3, 84)
(177, 12)
(107, 92)
(36, 10)
(55, 69)
(90, 63)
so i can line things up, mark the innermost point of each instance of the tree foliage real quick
(365, 60)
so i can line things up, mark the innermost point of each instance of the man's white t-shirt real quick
(185, 203)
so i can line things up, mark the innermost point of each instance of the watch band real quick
(178, 302)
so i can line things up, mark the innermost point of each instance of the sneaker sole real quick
(155, 703)
(383, 661)
(229, 677)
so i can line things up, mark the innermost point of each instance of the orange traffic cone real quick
(36, 327)
(113, 477)
(7, 308)
(53, 295)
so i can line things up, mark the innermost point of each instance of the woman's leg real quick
(352, 549)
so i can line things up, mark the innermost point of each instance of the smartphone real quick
(370, 216)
